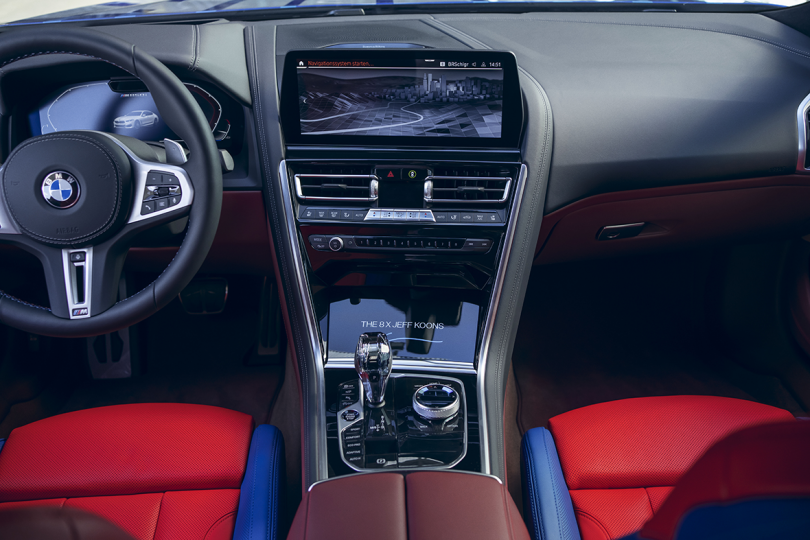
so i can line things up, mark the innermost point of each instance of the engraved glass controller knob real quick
(372, 360)
(436, 401)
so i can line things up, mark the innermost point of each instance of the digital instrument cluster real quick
(125, 108)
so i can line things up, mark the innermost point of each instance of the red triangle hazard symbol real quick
(390, 174)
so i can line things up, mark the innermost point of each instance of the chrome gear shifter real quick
(372, 360)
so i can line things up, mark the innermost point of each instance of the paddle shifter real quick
(372, 360)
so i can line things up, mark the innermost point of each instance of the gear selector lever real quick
(372, 360)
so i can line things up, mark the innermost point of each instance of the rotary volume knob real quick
(436, 401)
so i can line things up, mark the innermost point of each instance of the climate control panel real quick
(321, 242)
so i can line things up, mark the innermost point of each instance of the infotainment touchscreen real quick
(412, 97)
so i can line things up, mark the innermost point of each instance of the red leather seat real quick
(158, 471)
(620, 460)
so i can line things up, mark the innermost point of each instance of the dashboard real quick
(425, 192)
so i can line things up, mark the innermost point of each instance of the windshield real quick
(43, 11)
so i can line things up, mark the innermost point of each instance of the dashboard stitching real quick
(192, 64)
(282, 262)
(97, 231)
(454, 29)
(44, 53)
(675, 27)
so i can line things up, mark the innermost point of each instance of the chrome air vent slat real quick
(465, 189)
(336, 187)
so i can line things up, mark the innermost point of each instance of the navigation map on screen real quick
(448, 99)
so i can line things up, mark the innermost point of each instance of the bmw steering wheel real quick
(76, 199)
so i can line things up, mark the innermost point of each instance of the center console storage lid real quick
(426, 505)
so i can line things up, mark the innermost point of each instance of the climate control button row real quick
(397, 243)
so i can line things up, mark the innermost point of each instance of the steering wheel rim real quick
(202, 169)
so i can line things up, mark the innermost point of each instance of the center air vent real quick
(325, 183)
(449, 185)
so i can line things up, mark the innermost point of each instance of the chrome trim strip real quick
(389, 471)
(429, 198)
(801, 117)
(372, 187)
(442, 366)
(489, 324)
(318, 446)
(69, 272)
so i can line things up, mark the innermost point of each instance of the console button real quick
(320, 213)
(387, 214)
(440, 217)
(493, 217)
(442, 244)
(456, 243)
(333, 214)
(414, 174)
(454, 217)
(426, 215)
(402, 242)
(351, 415)
(317, 239)
(376, 242)
(336, 243)
(347, 215)
(389, 242)
(480, 218)
(400, 215)
(467, 217)
(430, 242)
(380, 461)
(373, 215)
(412, 215)
(389, 173)
(358, 215)
(361, 242)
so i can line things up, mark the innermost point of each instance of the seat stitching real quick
(551, 477)
(530, 481)
(594, 520)
(217, 522)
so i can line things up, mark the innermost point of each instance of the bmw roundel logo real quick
(60, 189)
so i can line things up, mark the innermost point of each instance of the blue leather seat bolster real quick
(257, 517)
(547, 505)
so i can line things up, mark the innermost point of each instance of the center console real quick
(402, 170)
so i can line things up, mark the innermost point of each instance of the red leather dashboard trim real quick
(242, 242)
(126, 449)
(647, 442)
(763, 461)
(680, 215)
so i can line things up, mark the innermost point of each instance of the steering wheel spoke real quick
(161, 191)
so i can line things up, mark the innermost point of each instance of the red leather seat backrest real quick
(621, 459)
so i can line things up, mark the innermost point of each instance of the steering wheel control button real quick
(78, 256)
(60, 189)
(170, 179)
(161, 204)
(174, 201)
(351, 415)
(436, 401)
(147, 208)
(336, 243)
(154, 178)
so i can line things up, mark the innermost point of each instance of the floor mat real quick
(201, 359)
(604, 330)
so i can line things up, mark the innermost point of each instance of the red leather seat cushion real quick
(156, 470)
(760, 462)
(620, 459)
